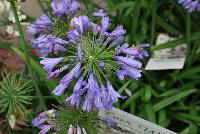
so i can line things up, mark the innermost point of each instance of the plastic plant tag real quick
(129, 124)
(168, 58)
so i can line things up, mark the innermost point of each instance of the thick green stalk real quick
(24, 43)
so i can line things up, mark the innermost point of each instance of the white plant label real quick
(169, 58)
(129, 124)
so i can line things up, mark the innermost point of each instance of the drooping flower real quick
(112, 96)
(46, 44)
(41, 118)
(50, 63)
(44, 129)
(66, 80)
(41, 24)
(100, 13)
(64, 7)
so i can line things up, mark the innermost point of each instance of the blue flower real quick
(111, 96)
(65, 7)
(50, 63)
(66, 80)
(41, 24)
(119, 31)
(128, 61)
(190, 5)
(41, 118)
(44, 129)
(80, 24)
(100, 13)
(46, 44)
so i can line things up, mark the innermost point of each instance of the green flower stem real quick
(22, 38)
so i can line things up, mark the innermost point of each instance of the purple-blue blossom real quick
(40, 25)
(64, 7)
(50, 63)
(66, 80)
(41, 118)
(46, 44)
(190, 5)
(92, 52)
(100, 13)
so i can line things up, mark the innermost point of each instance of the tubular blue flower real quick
(66, 80)
(143, 53)
(59, 8)
(93, 97)
(44, 129)
(41, 24)
(81, 24)
(74, 99)
(78, 85)
(96, 28)
(105, 24)
(119, 31)
(46, 44)
(65, 7)
(87, 105)
(101, 64)
(50, 63)
(100, 13)
(145, 45)
(121, 74)
(131, 51)
(120, 48)
(129, 61)
(58, 48)
(132, 72)
(112, 96)
(190, 5)
(41, 118)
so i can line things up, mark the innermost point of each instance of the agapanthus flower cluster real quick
(53, 120)
(190, 5)
(44, 32)
(62, 121)
(86, 54)
(91, 54)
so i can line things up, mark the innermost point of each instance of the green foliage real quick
(14, 94)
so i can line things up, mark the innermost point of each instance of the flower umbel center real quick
(96, 55)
